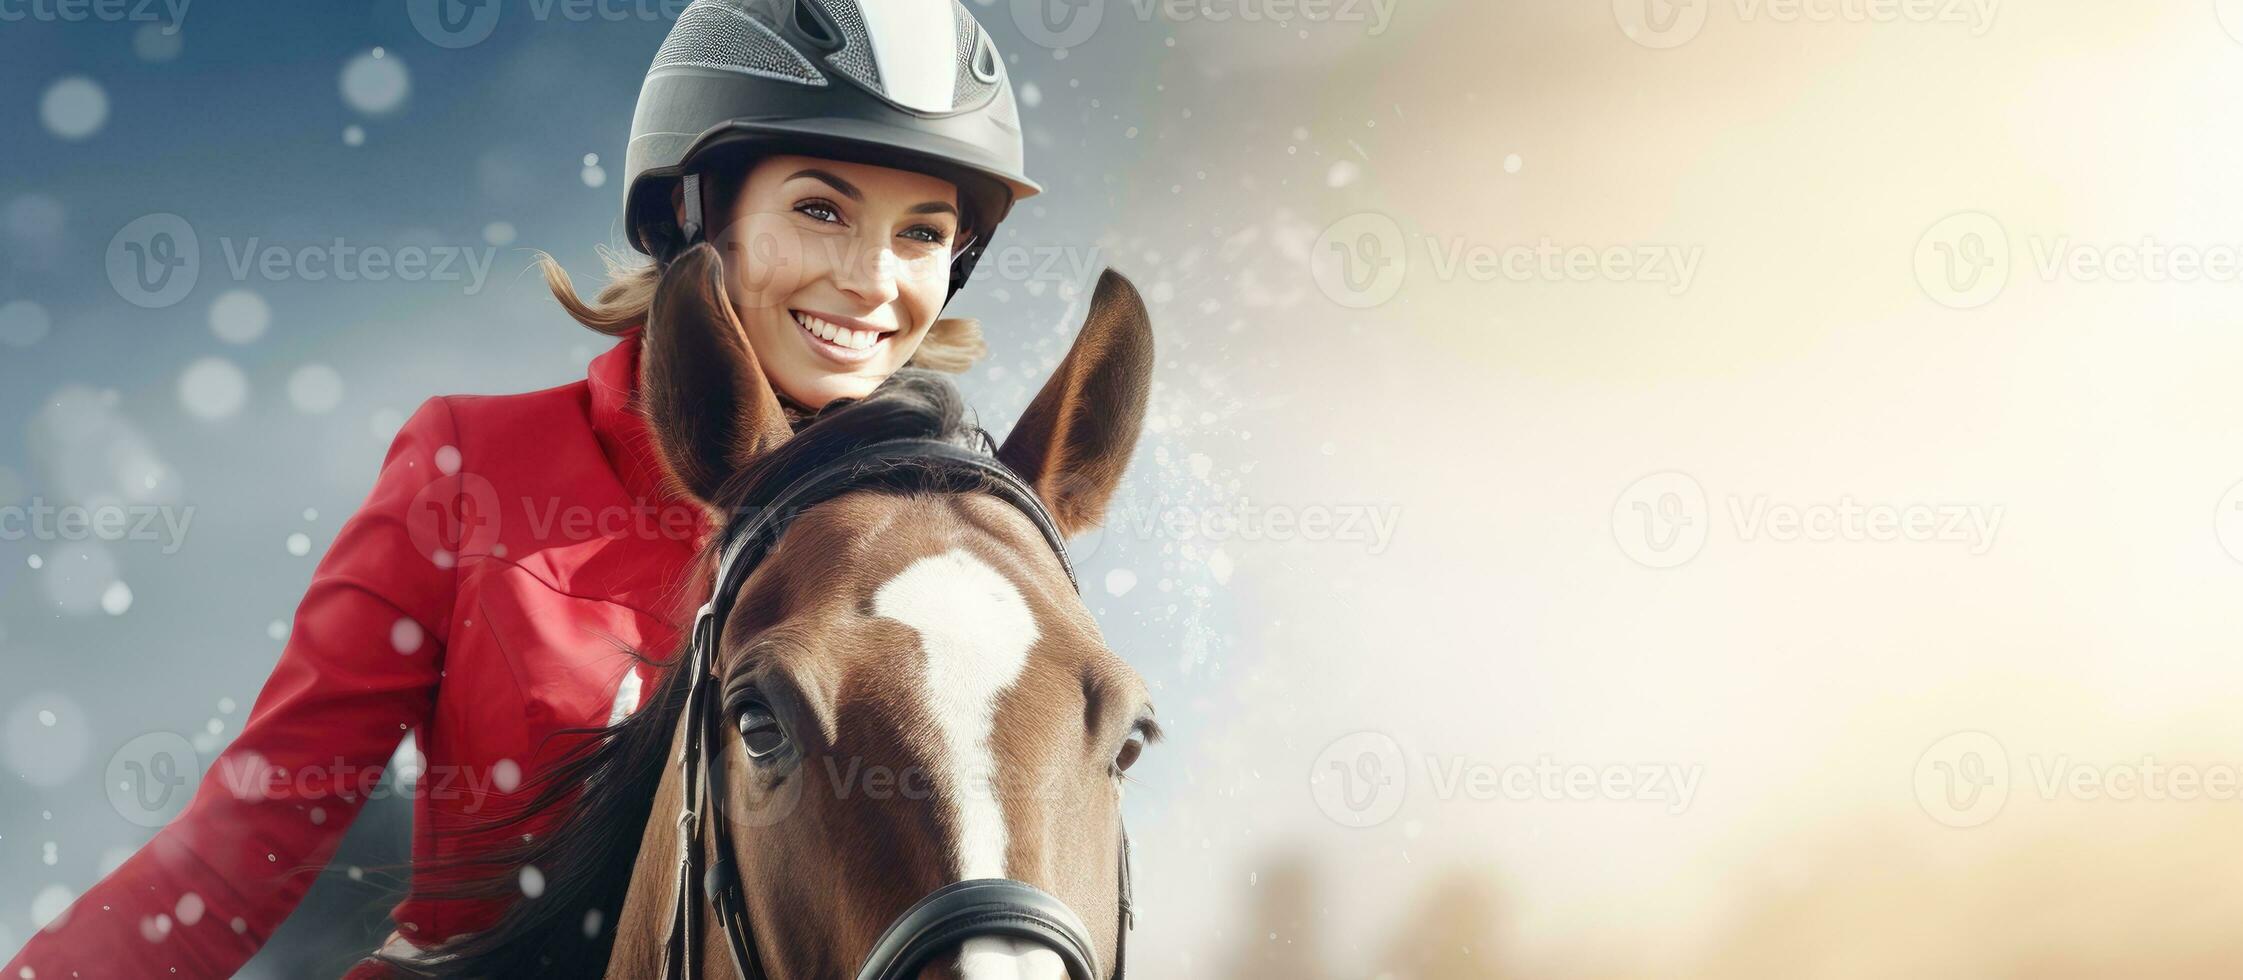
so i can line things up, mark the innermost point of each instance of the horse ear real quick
(704, 393)
(1075, 440)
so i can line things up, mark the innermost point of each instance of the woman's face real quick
(837, 270)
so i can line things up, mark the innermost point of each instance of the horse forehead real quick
(975, 632)
(975, 626)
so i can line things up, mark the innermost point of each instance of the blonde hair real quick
(952, 345)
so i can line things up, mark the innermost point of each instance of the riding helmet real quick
(911, 84)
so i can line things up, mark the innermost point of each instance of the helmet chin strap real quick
(690, 230)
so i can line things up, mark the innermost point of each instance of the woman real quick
(849, 159)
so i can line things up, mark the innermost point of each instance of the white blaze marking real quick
(976, 631)
(1005, 958)
(915, 43)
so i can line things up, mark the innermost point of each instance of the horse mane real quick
(607, 781)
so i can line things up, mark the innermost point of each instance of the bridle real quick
(950, 915)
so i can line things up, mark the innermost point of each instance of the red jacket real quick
(478, 599)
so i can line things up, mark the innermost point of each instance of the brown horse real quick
(911, 692)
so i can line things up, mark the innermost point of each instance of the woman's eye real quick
(927, 234)
(760, 731)
(819, 210)
(1130, 750)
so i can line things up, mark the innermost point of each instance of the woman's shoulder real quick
(572, 432)
(598, 400)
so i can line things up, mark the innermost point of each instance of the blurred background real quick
(1653, 487)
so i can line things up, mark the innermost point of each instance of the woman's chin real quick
(815, 392)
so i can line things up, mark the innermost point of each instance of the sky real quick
(1750, 486)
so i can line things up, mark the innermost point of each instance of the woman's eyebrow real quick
(846, 188)
(851, 192)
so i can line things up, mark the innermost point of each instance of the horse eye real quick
(760, 731)
(1130, 750)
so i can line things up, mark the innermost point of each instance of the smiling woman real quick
(848, 161)
(837, 272)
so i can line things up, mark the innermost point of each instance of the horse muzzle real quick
(979, 908)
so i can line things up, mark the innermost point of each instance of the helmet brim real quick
(987, 188)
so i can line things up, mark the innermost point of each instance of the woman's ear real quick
(702, 390)
(1074, 441)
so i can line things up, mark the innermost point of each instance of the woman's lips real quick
(847, 347)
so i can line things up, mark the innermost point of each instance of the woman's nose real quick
(869, 275)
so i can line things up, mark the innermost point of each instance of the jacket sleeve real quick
(359, 670)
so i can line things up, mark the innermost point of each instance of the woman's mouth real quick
(841, 344)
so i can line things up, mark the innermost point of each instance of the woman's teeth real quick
(837, 336)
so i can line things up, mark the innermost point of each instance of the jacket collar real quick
(623, 432)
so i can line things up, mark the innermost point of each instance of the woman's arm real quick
(360, 669)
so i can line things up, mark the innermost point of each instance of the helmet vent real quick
(814, 27)
(855, 56)
(985, 65)
(977, 62)
(719, 36)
